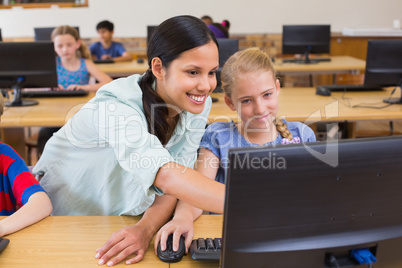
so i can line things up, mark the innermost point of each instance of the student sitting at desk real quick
(22, 199)
(74, 67)
(130, 150)
(106, 48)
(251, 89)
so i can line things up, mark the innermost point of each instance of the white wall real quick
(252, 16)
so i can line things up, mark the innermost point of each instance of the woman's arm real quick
(136, 239)
(37, 208)
(185, 214)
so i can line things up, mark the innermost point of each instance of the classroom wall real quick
(252, 16)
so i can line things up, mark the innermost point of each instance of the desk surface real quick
(336, 65)
(124, 68)
(59, 241)
(295, 104)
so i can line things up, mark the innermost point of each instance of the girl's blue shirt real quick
(219, 137)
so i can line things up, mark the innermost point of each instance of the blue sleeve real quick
(92, 48)
(307, 134)
(209, 140)
(120, 49)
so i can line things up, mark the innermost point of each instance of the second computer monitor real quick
(227, 47)
(44, 33)
(150, 30)
(306, 39)
(384, 65)
(27, 65)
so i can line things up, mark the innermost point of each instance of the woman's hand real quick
(129, 240)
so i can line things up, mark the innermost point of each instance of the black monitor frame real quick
(306, 39)
(1, 37)
(300, 215)
(45, 33)
(227, 47)
(27, 65)
(150, 30)
(384, 65)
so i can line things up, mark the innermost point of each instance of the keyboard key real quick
(210, 244)
(201, 243)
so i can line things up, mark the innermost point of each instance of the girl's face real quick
(189, 80)
(65, 46)
(255, 98)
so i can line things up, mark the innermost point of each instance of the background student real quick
(22, 199)
(132, 147)
(74, 70)
(74, 67)
(106, 48)
(251, 89)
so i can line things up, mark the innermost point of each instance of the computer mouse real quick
(169, 255)
(322, 91)
(3, 243)
(140, 60)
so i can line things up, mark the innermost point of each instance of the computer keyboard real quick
(315, 60)
(350, 88)
(103, 61)
(206, 249)
(54, 93)
(3, 243)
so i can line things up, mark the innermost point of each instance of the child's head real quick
(226, 23)
(67, 43)
(105, 31)
(251, 88)
(207, 19)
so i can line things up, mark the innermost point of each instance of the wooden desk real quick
(49, 112)
(295, 104)
(302, 104)
(125, 68)
(70, 241)
(338, 64)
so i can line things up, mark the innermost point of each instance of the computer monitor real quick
(306, 39)
(27, 65)
(45, 33)
(227, 47)
(384, 65)
(298, 205)
(150, 30)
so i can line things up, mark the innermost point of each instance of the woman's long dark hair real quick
(171, 38)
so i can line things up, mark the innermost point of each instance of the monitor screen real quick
(384, 65)
(227, 47)
(27, 65)
(306, 39)
(44, 33)
(300, 205)
(150, 29)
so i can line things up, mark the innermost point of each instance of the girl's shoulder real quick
(220, 126)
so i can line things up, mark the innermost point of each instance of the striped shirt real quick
(17, 184)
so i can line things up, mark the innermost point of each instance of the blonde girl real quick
(251, 89)
(74, 67)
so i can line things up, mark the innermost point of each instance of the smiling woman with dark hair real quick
(131, 149)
